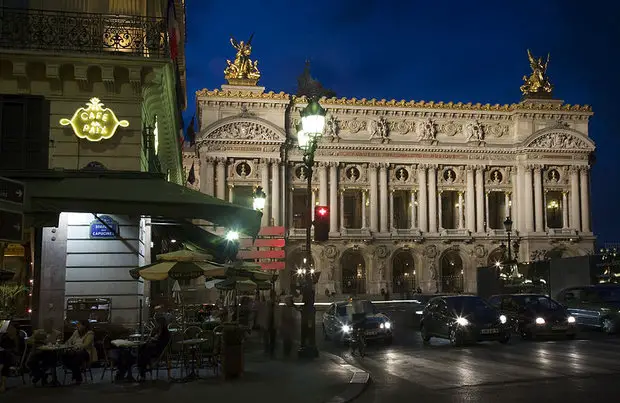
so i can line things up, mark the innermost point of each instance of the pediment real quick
(559, 139)
(251, 130)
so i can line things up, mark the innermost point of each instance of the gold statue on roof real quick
(537, 84)
(242, 71)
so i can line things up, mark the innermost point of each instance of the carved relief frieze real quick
(559, 141)
(244, 131)
(427, 131)
(450, 176)
(555, 176)
(379, 130)
(298, 174)
(332, 127)
(354, 125)
(497, 177)
(495, 130)
(401, 126)
(353, 174)
(449, 128)
(242, 171)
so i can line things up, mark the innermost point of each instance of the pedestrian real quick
(288, 324)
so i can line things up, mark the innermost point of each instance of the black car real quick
(462, 319)
(535, 315)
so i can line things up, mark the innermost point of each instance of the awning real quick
(128, 193)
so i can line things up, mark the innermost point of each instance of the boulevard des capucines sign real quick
(94, 122)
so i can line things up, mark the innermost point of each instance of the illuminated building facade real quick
(418, 191)
(90, 85)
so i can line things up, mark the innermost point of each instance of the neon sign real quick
(94, 122)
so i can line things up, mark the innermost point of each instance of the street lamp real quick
(511, 263)
(259, 199)
(308, 134)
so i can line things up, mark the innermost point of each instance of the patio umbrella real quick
(177, 270)
(242, 285)
(184, 255)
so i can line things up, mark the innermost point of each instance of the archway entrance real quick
(296, 262)
(353, 272)
(403, 273)
(451, 272)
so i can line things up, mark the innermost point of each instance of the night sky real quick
(467, 51)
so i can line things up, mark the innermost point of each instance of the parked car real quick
(337, 324)
(462, 319)
(535, 315)
(595, 306)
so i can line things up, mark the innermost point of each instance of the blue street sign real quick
(99, 230)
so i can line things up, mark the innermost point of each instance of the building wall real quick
(535, 146)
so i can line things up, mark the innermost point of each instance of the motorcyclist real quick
(357, 318)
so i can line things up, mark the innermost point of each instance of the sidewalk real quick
(277, 380)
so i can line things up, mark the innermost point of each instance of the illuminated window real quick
(156, 136)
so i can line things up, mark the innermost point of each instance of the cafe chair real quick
(108, 362)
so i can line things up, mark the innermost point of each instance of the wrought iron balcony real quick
(57, 31)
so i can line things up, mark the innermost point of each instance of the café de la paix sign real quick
(94, 122)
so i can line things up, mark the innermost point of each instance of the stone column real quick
(439, 210)
(507, 204)
(341, 208)
(422, 199)
(480, 199)
(383, 194)
(207, 176)
(527, 191)
(413, 210)
(221, 178)
(364, 196)
(374, 198)
(333, 197)
(584, 186)
(323, 184)
(231, 193)
(514, 207)
(275, 193)
(470, 204)
(290, 204)
(545, 195)
(538, 198)
(564, 210)
(486, 210)
(461, 224)
(432, 198)
(575, 220)
(264, 178)
(391, 210)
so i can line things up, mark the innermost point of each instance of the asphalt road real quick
(523, 371)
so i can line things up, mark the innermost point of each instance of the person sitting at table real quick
(83, 350)
(41, 360)
(154, 346)
(9, 350)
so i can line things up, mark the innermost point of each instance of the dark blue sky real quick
(468, 51)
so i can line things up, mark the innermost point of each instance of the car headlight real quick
(346, 328)
(540, 321)
(502, 319)
(388, 325)
(571, 319)
(462, 321)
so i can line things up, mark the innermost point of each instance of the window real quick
(553, 210)
(352, 209)
(243, 196)
(497, 210)
(449, 209)
(299, 207)
(402, 209)
(342, 310)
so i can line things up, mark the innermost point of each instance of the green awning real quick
(129, 193)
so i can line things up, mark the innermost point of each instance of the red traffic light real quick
(321, 211)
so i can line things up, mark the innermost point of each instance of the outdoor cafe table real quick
(193, 346)
(57, 349)
(122, 343)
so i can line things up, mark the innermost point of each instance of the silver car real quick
(337, 326)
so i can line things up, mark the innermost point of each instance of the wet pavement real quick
(522, 371)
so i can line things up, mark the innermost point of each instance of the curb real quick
(357, 384)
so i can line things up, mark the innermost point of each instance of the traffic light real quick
(321, 223)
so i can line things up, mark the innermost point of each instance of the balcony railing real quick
(58, 31)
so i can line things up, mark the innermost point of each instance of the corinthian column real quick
(538, 199)
(391, 210)
(470, 204)
(275, 193)
(585, 200)
(564, 209)
(575, 218)
(322, 184)
(383, 194)
(529, 208)
(374, 198)
(264, 178)
(440, 210)
(221, 178)
(364, 197)
(422, 199)
(207, 175)
(486, 209)
(333, 197)
(342, 208)
(480, 199)
(461, 224)
(413, 210)
(432, 198)
(507, 204)
(514, 200)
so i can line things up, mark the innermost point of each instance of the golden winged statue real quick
(242, 71)
(537, 84)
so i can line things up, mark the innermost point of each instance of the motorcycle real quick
(358, 340)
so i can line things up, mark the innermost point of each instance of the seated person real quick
(9, 350)
(154, 346)
(40, 360)
(83, 352)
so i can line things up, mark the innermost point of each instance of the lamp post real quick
(258, 199)
(508, 228)
(312, 125)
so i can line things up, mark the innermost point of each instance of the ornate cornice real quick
(279, 96)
